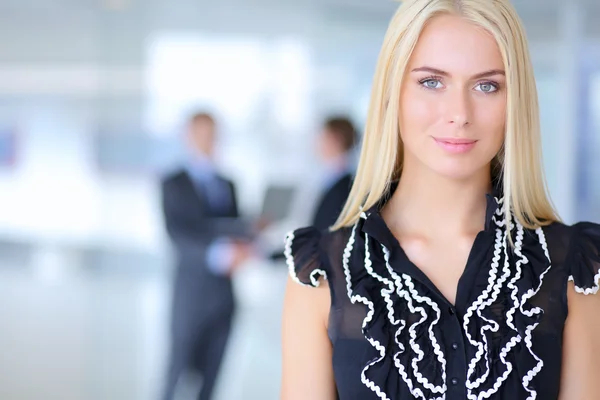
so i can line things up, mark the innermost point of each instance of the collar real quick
(201, 168)
(334, 170)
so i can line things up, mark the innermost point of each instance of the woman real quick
(449, 275)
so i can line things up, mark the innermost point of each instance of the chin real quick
(460, 170)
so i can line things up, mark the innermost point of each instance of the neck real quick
(428, 204)
(337, 163)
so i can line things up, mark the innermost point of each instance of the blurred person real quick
(202, 221)
(448, 273)
(334, 145)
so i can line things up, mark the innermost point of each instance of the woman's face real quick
(453, 100)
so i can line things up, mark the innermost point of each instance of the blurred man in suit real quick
(334, 145)
(201, 217)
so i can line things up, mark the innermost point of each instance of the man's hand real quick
(261, 224)
(242, 252)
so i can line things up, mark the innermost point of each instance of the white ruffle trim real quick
(494, 287)
(405, 289)
(402, 293)
(354, 298)
(530, 313)
(587, 291)
(289, 259)
(386, 291)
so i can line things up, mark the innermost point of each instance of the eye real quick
(487, 87)
(431, 83)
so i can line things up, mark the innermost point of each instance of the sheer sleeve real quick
(584, 258)
(304, 256)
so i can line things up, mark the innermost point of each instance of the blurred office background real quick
(93, 97)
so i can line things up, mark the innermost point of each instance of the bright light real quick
(191, 71)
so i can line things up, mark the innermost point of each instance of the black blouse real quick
(395, 336)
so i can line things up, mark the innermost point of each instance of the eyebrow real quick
(444, 73)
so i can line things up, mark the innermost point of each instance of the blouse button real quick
(451, 311)
(454, 381)
(454, 346)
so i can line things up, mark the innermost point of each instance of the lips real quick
(455, 145)
(455, 140)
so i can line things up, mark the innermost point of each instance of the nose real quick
(459, 108)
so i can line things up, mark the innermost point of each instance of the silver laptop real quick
(277, 202)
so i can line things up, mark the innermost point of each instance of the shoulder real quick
(173, 177)
(577, 246)
(584, 257)
(230, 182)
(310, 253)
(344, 183)
(347, 179)
(581, 344)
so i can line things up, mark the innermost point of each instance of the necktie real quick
(218, 195)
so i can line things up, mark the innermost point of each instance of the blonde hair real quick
(519, 161)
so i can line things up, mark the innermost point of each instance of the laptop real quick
(277, 202)
(276, 207)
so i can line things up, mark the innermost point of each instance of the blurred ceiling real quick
(115, 31)
(144, 13)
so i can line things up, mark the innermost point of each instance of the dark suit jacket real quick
(332, 202)
(192, 226)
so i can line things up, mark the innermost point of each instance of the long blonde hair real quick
(519, 161)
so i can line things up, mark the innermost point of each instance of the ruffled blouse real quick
(395, 336)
